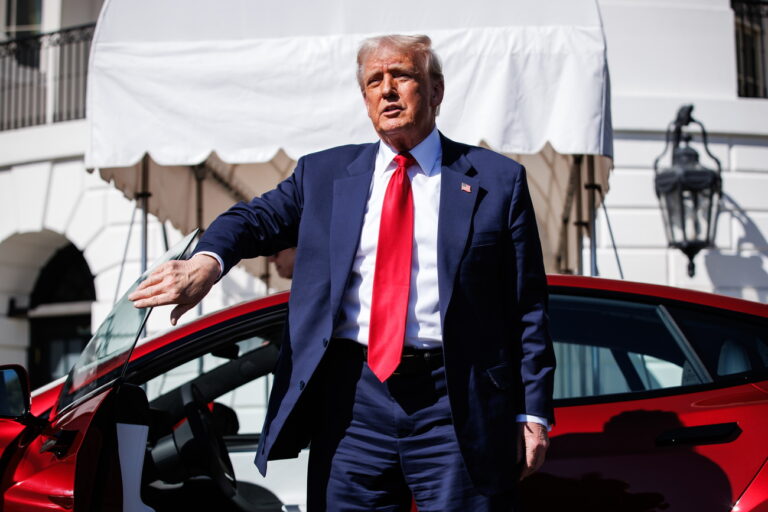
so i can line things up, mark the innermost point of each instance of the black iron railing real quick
(751, 17)
(43, 77)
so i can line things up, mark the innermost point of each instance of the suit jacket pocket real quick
(485, 238)
(501, 376)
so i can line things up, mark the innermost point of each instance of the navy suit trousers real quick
(378, 445)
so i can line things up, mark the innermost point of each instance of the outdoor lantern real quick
(688, 192)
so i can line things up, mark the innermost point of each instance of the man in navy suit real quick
(417, 358)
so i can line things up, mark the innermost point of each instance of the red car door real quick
(657, 410)
(45, 470)
(696, 451)
(52, 465)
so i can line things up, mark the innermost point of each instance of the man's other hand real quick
(533, 442)
(183, 283)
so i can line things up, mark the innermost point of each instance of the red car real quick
(662, 404)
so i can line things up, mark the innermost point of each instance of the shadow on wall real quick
(732, 273)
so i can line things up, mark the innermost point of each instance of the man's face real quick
(400, 96)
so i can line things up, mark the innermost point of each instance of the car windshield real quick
(110, 347)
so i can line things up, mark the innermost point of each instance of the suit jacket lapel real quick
(458, 194)
(350, 195)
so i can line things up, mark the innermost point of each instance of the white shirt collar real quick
(426, 153)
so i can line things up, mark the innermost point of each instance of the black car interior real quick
(186, 464)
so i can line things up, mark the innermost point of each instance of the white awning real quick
(245, 82)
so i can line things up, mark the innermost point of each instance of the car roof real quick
(557, 282)
(148, 345)
(660, 292)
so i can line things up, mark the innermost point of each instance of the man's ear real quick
(436, 98)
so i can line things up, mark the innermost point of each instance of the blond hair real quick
(418, 45)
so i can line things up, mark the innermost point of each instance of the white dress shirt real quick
(423, 327)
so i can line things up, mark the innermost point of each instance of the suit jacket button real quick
(302, 384)
(325, 342)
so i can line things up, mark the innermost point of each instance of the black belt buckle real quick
(419, 361)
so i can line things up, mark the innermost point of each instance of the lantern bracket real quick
(676, 133)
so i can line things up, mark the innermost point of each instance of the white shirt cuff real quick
(523, 418)
(217, 258)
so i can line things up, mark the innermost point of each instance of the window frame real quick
(202, 342)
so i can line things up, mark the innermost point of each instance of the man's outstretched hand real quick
(532, 447)
(183, 283)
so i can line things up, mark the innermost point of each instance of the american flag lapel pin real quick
(466, 188)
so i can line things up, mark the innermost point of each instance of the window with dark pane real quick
(607, 346)
(729, 344)
(59, 315)
(751, 22)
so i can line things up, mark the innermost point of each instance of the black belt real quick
(413, 361)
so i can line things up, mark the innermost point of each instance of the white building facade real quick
(57, 219)
(70, 243)
(663, 55)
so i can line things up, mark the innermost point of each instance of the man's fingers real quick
(522, 452)
(178, 311)
(530, 463)
(153, 278)
(183, 283)
(162, 290)
(534, 458)
(144, 293)
(536, 442)
(147, 287)
(161, 299)
(164, 286)
(157, 275)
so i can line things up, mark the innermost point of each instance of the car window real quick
(608, 346)
(248, 400)
(729, 344)
(103, 359)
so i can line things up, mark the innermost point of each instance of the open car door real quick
(62, 463)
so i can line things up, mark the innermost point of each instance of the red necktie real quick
(392, 275)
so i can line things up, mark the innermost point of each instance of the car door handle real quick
(703, 434)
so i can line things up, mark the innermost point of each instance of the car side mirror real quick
(14, 392)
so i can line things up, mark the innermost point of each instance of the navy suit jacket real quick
(497, 350)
